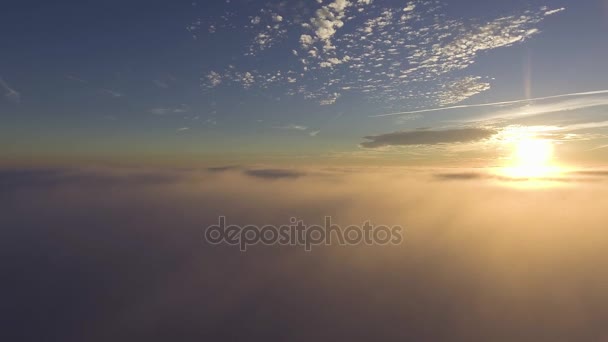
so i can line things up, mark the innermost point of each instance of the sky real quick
(127, 128)
(306, 81)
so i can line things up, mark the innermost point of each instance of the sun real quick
(532, 158)
(533, 152)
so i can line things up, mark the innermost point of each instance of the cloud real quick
(270, 28)
(598, 173)
(274, 174)
(214, 78)
(391, 54)
(461, 176)
(223, 168)
(554, 11)
(76, 79)
(142, 259)
(331, 99)
(173, 110)
(495, 104)
(328, 19)
(10, 93)
(306, 40)
(428, 137)
(534, 109)
(583, 176)
(111, 92)
(464, 48)
(460, 90)
(599, 147)
(267, 174)
(293, 127)
(161, 84)
(582, 126)
(247, 80)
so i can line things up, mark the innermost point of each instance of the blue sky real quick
(294, 79)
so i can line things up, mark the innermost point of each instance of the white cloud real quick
(554, 11)
(390, 54)
(214, 78)
(330, 100)
(460, 90)
(272, 29)
(328, 19)
(306, 40)
(410, 7)
(248, 80)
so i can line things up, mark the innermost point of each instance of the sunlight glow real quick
(532, 159)
(531, 155)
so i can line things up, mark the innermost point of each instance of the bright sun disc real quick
(534, 152)
(532, 159)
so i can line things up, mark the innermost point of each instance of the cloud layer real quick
(102, 255)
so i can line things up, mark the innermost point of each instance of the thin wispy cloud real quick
(161, 84)
(92, 85)
(292, 127)
(112, 93)
(76, 79)
(534, 109)
(598, 148)
(170, 110)
(584, 126)
(493, 104)
(10, 93)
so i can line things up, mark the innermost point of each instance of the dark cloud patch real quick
(594, 173)
(570, 177)
(268, 174)
(427, 137)
(461, 176)
(274, 174)
(219, 169)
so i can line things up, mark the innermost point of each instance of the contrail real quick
(597, 92)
